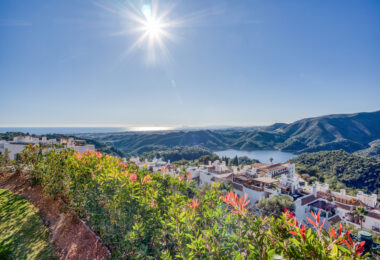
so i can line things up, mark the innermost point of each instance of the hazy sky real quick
(76, 62)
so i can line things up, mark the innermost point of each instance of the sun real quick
(153, 28)
(149, 26)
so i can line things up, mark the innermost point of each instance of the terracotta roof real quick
(237, 186)
(307, 199)
(373, 214)
(343, 206)
(265, 180)
(324, 195)
(255, 188)
(335, 219)
(345, 197)
(257, 165)
(358, 203)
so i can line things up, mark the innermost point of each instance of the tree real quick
(360, 212)
(271, 159)
(235, 161)
(275, 205)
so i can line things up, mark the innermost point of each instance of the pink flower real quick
(123, 166)
(189, 175)
(98, 154)
(133, 177)
(78, 155)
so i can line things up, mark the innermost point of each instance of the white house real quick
(12, 149)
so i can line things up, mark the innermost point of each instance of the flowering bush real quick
(140, 214)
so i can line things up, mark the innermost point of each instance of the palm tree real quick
(360, 212)
(271, 159)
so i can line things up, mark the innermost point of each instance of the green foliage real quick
(8, 136)
(373, 151)
(275, 205)
(144, 215)
(341, 170)
(22, 232)
(178, 153)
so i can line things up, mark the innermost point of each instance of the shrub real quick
(140, 214)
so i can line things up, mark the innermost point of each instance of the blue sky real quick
(226, 63)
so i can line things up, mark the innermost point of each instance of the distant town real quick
(13, 148)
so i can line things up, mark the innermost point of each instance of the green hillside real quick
(373, 151)
(340, 169)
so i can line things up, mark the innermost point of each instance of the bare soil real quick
(71, 237)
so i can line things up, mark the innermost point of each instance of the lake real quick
(261, 155)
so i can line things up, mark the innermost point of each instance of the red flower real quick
(194, 204)
(98, 154)
(63, 154)
(188, 175)
(182, 177)
(301, 232)
(239, 204)
(316, 223)
(359, 248)
(133, 177)
(164, 169)
(288, 214)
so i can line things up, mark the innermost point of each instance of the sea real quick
(62, 130)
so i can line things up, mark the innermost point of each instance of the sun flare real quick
(153, 27)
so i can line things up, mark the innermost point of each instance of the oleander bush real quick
(144, 215)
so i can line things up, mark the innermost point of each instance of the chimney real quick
(315, 190)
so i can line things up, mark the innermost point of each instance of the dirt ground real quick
(71, 237)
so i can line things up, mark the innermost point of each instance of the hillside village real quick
(256, 180)
(265, 180)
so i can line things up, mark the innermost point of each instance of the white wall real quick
(84, 148)
(13, 149)
(253, 195)
(370, 222)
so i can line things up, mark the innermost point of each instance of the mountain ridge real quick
(350, 132)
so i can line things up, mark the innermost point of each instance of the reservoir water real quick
(261, 155)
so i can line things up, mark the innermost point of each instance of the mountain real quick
(350, 132)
